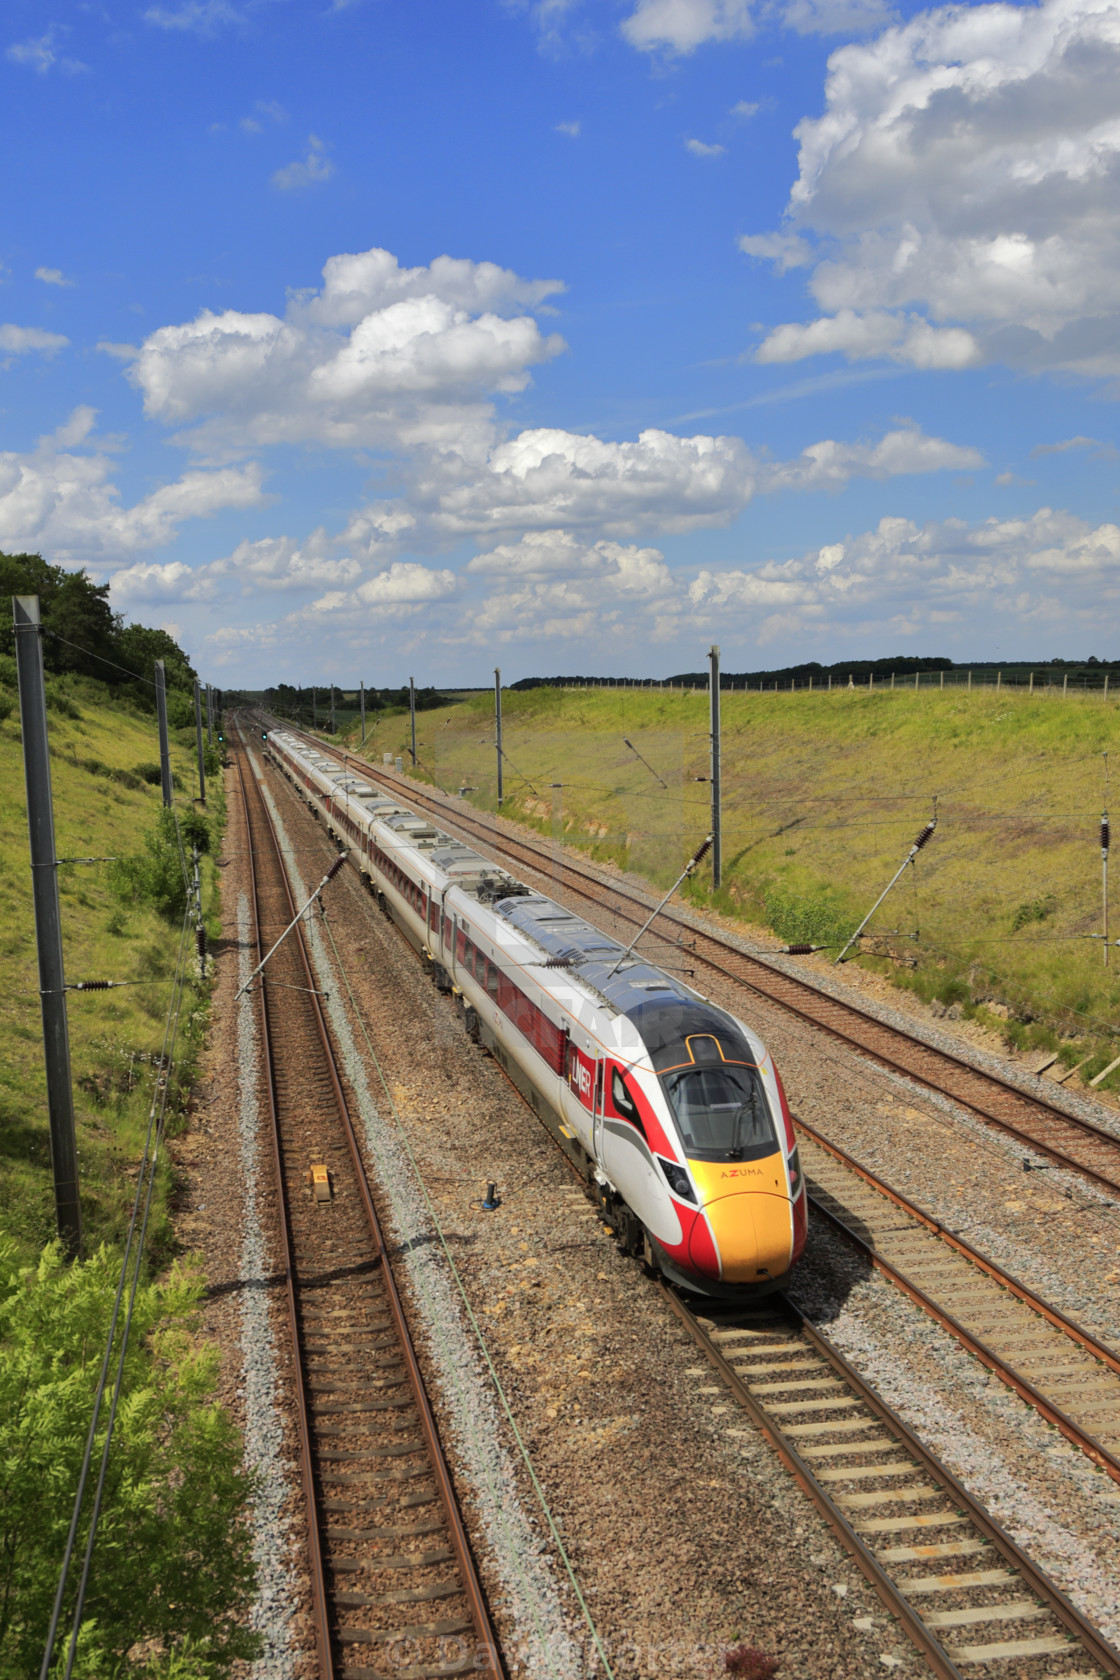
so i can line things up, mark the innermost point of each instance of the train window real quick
(493, 980)
(622, 1099)
(721, 1111)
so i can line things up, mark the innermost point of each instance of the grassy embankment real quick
(823, 794)
(100, 750)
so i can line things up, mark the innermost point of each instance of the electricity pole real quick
(164, 748)
(412, 717)
(498, 725)
(1105, 838)
(717, 827)
(209, 716)
(48, 918)
(198, 741)
(363, 703)
(332, 708)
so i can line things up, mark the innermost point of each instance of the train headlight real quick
(678, 1180)
(796, 1182)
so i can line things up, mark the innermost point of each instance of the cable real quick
(89, 653)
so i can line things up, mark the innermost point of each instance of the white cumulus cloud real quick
(680, 26)
(19, 340)
(966, 166)
(1050, 570)
(52, 277)
(195, 17)
(315, 166)
(549, 479)
(66, 505)
(379, 357)
(901, 338)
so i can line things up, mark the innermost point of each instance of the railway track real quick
(1070, 1377)
(970, 1600)
(393, 1583)
(1041, 1126)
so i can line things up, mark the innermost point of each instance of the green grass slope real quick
(823, 794)
(103, 806)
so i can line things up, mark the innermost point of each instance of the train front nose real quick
(750, 1231)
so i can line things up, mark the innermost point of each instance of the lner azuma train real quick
(672, 1109)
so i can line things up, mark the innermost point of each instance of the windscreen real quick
(721, 1111)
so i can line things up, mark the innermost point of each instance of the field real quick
(822, 796)
(101, 753)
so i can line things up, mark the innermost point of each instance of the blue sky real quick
(410, 337)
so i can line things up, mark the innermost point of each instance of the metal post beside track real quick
(362, 701)
(164, 749)
(412, 718)
(498, 725)
(198, 742)
(717, 830)
(48, 917)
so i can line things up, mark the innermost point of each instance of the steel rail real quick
(1034, 1578)
(316, 1567)
(1068, 1326)
(488, 1650)
(1039, 1583)
(774, 984)
(1021, 1385)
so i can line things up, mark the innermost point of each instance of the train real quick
(670, 1108)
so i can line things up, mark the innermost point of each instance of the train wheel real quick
(472, 1024)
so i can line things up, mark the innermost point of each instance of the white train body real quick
(669, 1106)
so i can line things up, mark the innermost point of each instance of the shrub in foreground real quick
(172, 1569)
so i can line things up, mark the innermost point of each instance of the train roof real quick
(590, 954)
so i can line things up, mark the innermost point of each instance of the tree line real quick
(85, 637)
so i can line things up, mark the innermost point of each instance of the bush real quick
(809, 921)
(150, 773)
(171, 1564)
(195, 830)
(155, 875)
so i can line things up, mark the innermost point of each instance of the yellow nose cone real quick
(754, 1236)
(752, 1226)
